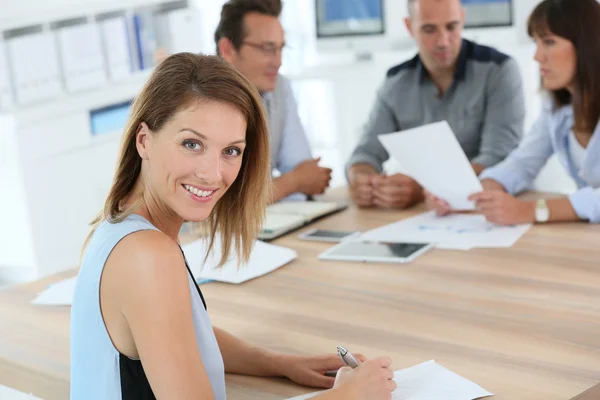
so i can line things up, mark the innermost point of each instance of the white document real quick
(264, 258)
(58, 294)
(429, 381)
(432, 156)
(455, 231)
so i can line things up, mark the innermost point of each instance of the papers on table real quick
(58, 294)
(432, 156)
(430, 381)
(264, 258)
(455, 231)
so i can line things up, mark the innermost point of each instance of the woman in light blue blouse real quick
(567, 38)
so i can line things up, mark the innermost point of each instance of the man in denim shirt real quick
(251, 38)
(477, 89)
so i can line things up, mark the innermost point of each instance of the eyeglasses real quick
(267, 49)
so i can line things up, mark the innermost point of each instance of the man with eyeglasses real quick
(251, 38)
(477, 89)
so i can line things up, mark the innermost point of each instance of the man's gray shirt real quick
(484, 106)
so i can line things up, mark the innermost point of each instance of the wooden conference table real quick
(523, 322)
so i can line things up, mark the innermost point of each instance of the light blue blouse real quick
(550, 135)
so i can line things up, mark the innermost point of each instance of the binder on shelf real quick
(144, 32)
(6, 96)
(34, 64)
(81, 56)
(115, 41)
(180, 30)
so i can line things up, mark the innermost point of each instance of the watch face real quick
(542, 214)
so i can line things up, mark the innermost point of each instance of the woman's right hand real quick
(440, 206)
(372, 379)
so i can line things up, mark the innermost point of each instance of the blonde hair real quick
(178, 82)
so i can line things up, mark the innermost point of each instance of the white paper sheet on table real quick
(432, 156)
(456, 231)
(264, 258)
(57, 294)
(429, 381)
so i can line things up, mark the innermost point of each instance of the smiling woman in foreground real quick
(567, 37)
(195, 149)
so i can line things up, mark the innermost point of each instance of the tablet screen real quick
(376, 249)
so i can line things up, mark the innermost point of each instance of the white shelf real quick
(68, 103)
(22, 13)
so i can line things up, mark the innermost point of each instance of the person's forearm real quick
(491, 184)
(478, 168)
(243, 358)
(560, 210)
(283, 186)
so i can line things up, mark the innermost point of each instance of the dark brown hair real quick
(578, 21)
(233, 12)
(176, 83)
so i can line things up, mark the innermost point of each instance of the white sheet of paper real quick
(429, 381)
(433, 157)
(264, 258)
(455, 231)
(58, 294)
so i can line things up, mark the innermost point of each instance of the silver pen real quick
(346, 357)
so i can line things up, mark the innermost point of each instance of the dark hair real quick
(578, 21)
(233, 12)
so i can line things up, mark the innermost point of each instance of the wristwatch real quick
(542, 213)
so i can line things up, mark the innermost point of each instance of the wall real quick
(16, 246)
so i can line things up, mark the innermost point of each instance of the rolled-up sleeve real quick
(518, 171)
(586, 203)
(504, 117)
(369, 149)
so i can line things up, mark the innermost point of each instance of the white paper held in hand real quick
(432, 156)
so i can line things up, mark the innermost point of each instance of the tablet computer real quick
(356, 250)
(326, 235)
